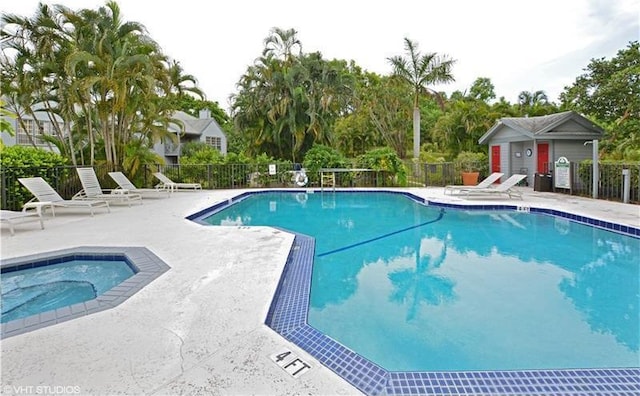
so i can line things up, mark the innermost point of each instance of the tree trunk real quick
(92, 146)
(54, 124)
(67, 128)
(416, 133)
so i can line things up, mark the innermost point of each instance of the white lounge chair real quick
(11, 218)
(45, 196)
(169, 184)
(91, 189)
(486, 183)
(506, 188)
(125, 184)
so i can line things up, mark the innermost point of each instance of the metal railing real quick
(440, 174)
(64, 179)
(611, 181)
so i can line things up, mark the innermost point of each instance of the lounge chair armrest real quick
(79, 195)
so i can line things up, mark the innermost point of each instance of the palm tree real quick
(535, 104)
(287, 102)
(178, 81)
(103, 77)
(421, 70)
(118, 71)
(280, 44)
(532, 99)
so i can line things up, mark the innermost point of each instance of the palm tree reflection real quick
(422, 283)
(605, 293)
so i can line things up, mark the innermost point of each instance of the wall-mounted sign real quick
(562, 174)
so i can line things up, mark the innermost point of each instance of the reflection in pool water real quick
(495, 290)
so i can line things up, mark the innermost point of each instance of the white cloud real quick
(541, 45)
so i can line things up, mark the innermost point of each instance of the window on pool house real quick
(214, 142)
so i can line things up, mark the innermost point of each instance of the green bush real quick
(468, 161)
(319, 157)
(21, 161)
(430, 157)
(385, 159)
(260, 170)
(201, 155)
(202, 163)
(205, 164)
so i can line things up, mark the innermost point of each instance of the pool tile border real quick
(289, 308)
(288, 316)
(603, 224)
(146, 265)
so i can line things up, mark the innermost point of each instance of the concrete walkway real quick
(199, 328)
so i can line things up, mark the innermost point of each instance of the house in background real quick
(35, 128)
(203, 129)
(530, 145)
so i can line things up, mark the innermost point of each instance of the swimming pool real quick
(27, 292)
(461, 256)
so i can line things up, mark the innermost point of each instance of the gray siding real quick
(516, 149)
(569, 126)
(574, 151)
(507, 134)
(505, 160)
(569, 130)
(521, 165)
(214, 131)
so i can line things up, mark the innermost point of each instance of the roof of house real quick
(548, 126)
(192, 125)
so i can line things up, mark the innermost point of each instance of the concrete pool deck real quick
(199, 328)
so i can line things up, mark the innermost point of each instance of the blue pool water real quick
(416, 288)
(44, 288)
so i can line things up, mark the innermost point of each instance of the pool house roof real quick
(564, 125)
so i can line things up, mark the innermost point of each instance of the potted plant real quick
(470, 165)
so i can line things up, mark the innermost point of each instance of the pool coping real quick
(288, 311)
(146, 263)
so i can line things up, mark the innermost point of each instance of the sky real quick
(520, 45)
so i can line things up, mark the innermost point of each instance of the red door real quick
(543, 157)
(495, 159)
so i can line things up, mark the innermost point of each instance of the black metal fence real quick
(610, 184)
(64, 179)
(440, 174)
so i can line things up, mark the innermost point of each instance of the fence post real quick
(4, 188)
(626, 185)
(596, 170)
